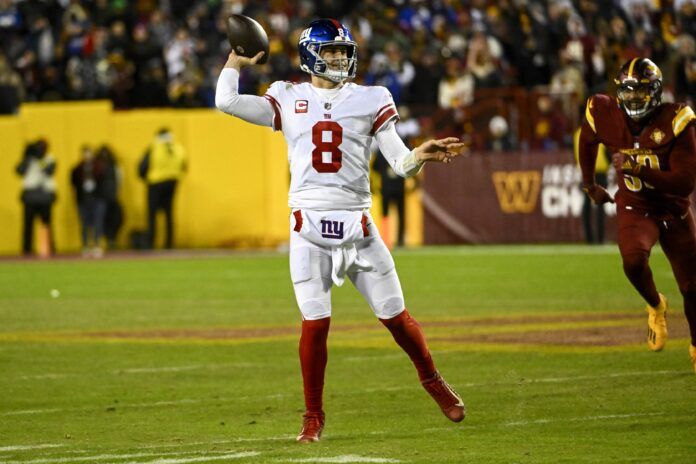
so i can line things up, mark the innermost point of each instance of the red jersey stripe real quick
(277, 121)
(383, 119)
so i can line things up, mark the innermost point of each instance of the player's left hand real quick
(626, 164)
(440, 150)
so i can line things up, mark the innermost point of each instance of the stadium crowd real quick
(436, 56)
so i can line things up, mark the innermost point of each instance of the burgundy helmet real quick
(639, 87)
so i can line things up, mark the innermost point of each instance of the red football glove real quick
(626, 164)
(598, 194)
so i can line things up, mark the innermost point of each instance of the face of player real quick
(635, 97)
(336, 57)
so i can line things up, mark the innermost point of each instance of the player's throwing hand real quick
(237, 62)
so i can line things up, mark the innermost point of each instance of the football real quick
(247, 37)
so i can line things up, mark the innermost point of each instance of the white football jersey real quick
(329, 140)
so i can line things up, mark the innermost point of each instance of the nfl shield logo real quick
(327, 106)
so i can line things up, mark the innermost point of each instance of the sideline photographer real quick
(38, 195)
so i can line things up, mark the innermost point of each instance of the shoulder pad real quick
(684, 116)
(596, 104)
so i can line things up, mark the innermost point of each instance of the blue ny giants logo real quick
(331, 229)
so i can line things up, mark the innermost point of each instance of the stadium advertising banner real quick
(508, 198)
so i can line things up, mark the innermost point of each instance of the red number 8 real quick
(321, 147)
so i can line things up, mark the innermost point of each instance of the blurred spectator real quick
(163, 164)
(87, 178)
(550, 126)
(499, 139)
(685, 69)
(111, 181)
(179, 52)
(482, 62)
(11, 88)
(424, 87)
(686, 16)
(568, 83)
(405, 72)
(37, 168)
(456, 87)
(381, 73)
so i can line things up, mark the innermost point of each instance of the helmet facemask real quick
(637, 99)
(639, 89)
(335, 70)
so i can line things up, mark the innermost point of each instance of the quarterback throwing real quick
(329, 125)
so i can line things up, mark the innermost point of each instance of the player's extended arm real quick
(407, 163)
(400, 158)
(251, 108)
(681, 177)
(587, 157)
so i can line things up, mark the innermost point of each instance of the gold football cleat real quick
(657, 325)
(692, 354)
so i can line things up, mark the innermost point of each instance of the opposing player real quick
(654, 146)
(329, 125)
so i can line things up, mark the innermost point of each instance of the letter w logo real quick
(331, 229)
(518, 191)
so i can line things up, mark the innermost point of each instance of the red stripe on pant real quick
(298, 220)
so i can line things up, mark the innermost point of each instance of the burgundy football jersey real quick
(651, 147)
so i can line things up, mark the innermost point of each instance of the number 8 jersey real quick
(329, 133)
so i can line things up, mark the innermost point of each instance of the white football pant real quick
(310, 270)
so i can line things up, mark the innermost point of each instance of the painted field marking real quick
(347, 458)
(503, 250)
(549, 421)
(242, 455)
(541, 380)
(144, 370)
(583, 419)
(179, 457)
(4, 449)
(367, 390)
(98, 457)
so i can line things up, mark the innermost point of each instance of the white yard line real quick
(178, 457)
(583, 419)
(242, 455)
(604, 417)
(98, 457)
(4, 449)
(142, 370)
(541, 380)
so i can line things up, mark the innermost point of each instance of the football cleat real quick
(657, 325)
(692, 354)
(449, 401)
(312, 426)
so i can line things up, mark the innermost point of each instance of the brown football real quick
(247, 37)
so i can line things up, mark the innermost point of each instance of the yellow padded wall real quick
(235, 192)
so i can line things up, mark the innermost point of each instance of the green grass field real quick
(186, 359)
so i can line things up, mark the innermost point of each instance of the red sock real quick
(409, 335)
(313, 357)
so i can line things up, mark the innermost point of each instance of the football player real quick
(329, 125)
(654, 154)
